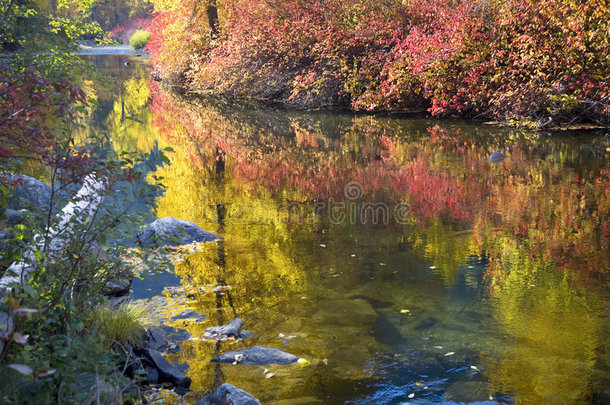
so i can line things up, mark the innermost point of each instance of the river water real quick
(389, 252)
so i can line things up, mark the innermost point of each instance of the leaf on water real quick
(270, 375)
(405, 311)
(20, 339)
(22, 369)
(303, 362)
(238, 357)
(449, 354)
(474, 368)
(412, 395)
(419, 383)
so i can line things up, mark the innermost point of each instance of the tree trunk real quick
(212, 12)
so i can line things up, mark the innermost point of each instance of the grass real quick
(121, 324)
(139, 39)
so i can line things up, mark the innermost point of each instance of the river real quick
(389, 252)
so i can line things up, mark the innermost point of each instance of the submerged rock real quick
(232, 329)
(257, 356)
(497, 157)
(173, 232)
(167, 372)
(190, 314)
(228, 394)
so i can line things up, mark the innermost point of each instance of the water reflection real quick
(493, 283)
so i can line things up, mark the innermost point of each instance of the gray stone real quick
(152, 376)
(232, 329)
(156, 338)
(497, 157)
(31, 193)
(190, 314)
(117, 287)
(167, 372)
(173, 232)
(228, 394)
(257, 356)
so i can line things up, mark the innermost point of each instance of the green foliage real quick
(139, 39)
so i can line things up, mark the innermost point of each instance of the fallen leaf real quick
(22, 369)
(474, 368)
(353, 256)
(383, 264)
(411, 395)
(405, 311)
(438, 347)
(433, 267)
(303, 362)
(322, 245)
(449, 354)
(270, 375)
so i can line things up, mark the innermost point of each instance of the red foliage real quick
(519, 59)
(30, 109)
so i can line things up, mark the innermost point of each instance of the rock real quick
(497, 157)
(152, 376)
(257, 356)
(182, 390)
(173, 232)
(232, 329)
(30, 193)
(33, 194)
(14, 217)
(156, 338)
(228, 394)
(117, 287)
(167, 372)
(190, 314)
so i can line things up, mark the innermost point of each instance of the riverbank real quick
(524, 64)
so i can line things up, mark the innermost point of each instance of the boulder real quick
(167, 372)
(228, 394)
(156, 338)
(32, 194)
(173, 232)
(117, 287)
(232, 329)
(256, 356)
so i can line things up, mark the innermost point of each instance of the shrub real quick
(139, 39)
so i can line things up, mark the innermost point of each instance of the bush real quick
(139, 39)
